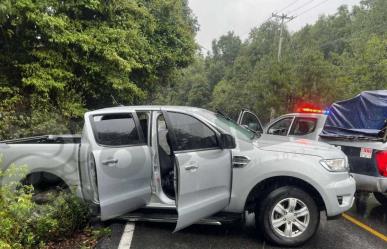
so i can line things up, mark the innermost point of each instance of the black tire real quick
(264, 212)
(381, 198)
(46, 187)
(47, 196)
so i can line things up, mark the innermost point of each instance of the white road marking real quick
(127, 236)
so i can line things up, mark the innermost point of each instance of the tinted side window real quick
(281, 127)
(303, 126)
(251, 122)
(191, 134)
(115, 130)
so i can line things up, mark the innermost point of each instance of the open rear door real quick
(203, 169)
(116, 165)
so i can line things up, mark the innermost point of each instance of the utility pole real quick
(283, 17)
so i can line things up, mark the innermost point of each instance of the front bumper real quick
(370, 183)
(340, 196)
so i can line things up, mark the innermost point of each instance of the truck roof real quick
(148, 107)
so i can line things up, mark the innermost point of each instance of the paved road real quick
(368, 211)
(332, 234)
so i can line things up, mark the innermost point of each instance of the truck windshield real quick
(228, 126)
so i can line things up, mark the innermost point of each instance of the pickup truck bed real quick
(46, 139)
(53, 158)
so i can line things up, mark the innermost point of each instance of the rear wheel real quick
(288, 216)
(381, 198)
(46, 187)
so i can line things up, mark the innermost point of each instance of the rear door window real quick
(116, 130)
(303, 126)
(280, 127)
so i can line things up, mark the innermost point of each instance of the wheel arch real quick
(64, 168)
(262, 189)
(47, 178)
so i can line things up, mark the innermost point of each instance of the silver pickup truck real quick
(190, 165)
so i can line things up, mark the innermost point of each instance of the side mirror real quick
(227, 141)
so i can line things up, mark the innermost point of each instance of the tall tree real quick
(224, 52)
(59, 58)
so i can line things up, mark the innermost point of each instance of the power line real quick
(317, 5)
(266, 20)
(301, 6)
(271, 15)
(287, 6)
(284, 8)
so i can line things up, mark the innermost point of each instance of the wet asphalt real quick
(339, 233)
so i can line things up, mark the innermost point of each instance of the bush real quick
(64, 215)
(25, 224)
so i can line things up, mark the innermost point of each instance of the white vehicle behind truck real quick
(356, 126)
(189, 165)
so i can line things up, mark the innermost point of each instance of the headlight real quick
(335, 165)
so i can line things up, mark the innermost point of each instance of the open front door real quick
(250, 120)
(203, 169)
(117, 164)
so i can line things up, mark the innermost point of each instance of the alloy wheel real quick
(290, 217)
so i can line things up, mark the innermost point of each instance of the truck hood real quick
(298, 146)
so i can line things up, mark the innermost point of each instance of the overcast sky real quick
(217, 17)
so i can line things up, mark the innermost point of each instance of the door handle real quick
(191, 166)
(110, 162)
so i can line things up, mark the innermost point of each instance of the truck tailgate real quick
(361, 165)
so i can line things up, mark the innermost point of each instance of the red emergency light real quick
(312, 110)
(309, 108)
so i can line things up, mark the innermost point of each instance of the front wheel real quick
(381, 198)
(288, 216)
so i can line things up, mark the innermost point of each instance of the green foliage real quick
(60, 58)
(24, 224)
(189, 87)
(64, 215)
(100, 232)
(336, 58)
